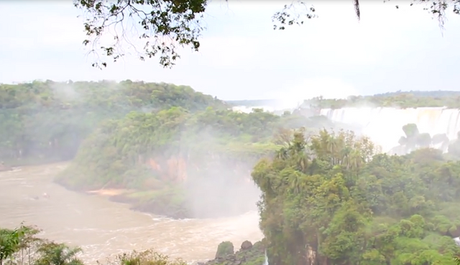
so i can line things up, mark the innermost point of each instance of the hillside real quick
(46, 121)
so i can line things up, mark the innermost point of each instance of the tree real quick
(12, 241)
(58, 254)
(165, 25)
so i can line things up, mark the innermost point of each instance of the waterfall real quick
(266, 258)
(457, 241)
(384, 125)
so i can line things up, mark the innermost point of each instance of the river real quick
(103, 228)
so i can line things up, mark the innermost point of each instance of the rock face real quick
(249, 254)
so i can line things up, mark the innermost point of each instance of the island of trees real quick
(327, 195)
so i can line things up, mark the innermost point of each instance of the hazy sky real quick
(242, 57)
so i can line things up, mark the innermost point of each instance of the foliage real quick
(290, 15)
(9, 243)
(410, 99)
(176, 155)
(147, 257)
(13, 242)
(45, 121)
(52, 253)
(332, 193)
(164, 25)
(16, 240)
(119, 150)
(225, 248)
(253, 255)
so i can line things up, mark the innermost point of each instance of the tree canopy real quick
(48, 120)
(165, 25)
(332, 200)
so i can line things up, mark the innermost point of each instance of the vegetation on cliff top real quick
(332, 195)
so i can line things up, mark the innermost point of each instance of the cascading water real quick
(266, 258)
(384, 125)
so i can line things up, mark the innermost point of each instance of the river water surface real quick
(104, 228)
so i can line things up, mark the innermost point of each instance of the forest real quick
(400, 99)
(47, 121)
(349, 205)
(328, 196)
(176, 162)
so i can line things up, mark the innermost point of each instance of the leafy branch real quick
(164, 25)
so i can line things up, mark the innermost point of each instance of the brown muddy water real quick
(104, 228)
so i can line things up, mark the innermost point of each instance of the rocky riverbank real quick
(248, 254)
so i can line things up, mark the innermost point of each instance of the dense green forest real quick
(332, 200)
(46, 121)
(163, 143)
(327, 198)
(178, 162)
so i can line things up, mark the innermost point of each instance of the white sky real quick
(242, 57)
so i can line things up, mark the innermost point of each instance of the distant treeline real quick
(413, 99)
(402, 99)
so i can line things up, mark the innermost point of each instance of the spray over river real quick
(103, 228)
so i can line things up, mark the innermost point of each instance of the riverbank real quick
(164, 201)
(156, 202)
(108, 192)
